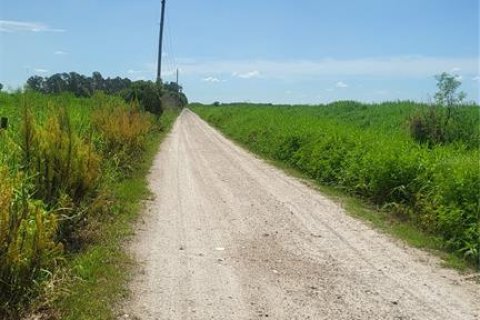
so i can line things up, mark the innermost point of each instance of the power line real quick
(170, 60)
(170, 43)
(170, 56)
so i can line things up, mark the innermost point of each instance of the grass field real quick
(367, 151)
(65, 165)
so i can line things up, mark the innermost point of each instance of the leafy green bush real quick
(148, 94)
(437, 125)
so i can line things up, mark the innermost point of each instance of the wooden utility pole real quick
(160, 43)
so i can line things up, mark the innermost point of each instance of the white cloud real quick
(24, 26)
(341, 84)
(60, 53)
(211, 79)
(459, 78)
(477, 78)
(247, 75)
(455, 69)
(40, 70)
(131, 71)
(406, 66)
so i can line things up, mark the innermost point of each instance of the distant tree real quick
(116, 85)
(98, 83)
(1, 87)
(175, 95)
(79, 85)
(148, 94)
(172, 86)
(439, 124)
(35, 83)
(447, 85)
(183, 99)
(56, 84)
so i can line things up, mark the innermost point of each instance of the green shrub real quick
(455, 192)
(437, 125)
(148, 94)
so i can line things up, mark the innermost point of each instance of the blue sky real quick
(304, 51)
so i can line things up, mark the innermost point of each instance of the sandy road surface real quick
(230, 237)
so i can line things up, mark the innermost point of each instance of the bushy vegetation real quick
(436, 125)
(123, 136)
(368, 151)
(444, 121)
(58, 160)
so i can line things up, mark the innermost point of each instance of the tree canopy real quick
(77, 84)
(147, 93)
(447, 85)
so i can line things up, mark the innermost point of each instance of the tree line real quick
(147, 93)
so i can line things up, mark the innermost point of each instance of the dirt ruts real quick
(228, 236)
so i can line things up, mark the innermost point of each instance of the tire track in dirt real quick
(230, 237)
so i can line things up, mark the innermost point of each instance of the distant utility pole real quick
(177, 77)
(160, 42)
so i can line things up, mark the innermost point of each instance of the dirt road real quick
(230, 237)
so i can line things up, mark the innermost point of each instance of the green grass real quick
(36, 192)
(100, 273)
(73, 174)
(382, 220)
(425, 195)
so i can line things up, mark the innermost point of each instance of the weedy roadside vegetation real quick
(370, 151)
(60, 158)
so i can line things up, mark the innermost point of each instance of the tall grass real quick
(57, 160)
(122, 132)
(28, 250)
(367, 150)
